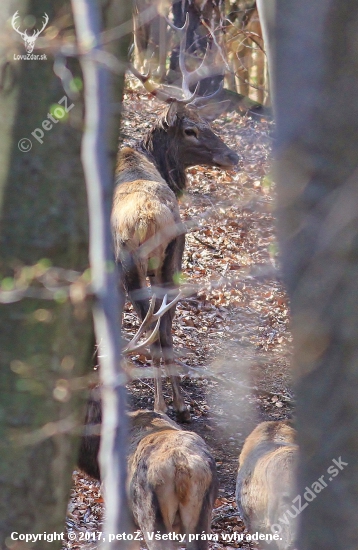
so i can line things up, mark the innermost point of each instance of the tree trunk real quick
(266, 10)
(46, 344)
(316, 102)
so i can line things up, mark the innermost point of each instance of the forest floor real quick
(232, 337)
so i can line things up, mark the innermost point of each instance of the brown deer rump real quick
(265, 485)
(171, 476)
(172, 481)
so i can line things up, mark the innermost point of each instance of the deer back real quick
(279, 432)
(145, 212)
(266, 481)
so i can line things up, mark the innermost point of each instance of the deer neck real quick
(163, 151)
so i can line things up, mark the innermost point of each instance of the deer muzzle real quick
(226, 160)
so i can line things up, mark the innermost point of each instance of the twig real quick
(206, 244)
(212, 34)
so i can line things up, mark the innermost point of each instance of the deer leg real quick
(163, 282)
(135, 284)
(138, 294)
(166, 340)
(169, 276)
(159, 403)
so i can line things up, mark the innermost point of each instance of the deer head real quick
(29, 40)
(186, 123)
(196, 143)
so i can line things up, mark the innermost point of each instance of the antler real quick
(166, 93)
(189, 77)
(13, 23)
(36, 33)
(133, 346)
(200, 102)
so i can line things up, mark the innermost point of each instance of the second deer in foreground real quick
(172, 479)
(148, 233)
(265, 486)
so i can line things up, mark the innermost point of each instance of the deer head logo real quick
(29, 40)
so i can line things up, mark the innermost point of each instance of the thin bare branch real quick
(105, 279)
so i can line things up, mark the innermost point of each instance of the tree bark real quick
(267, 10)
(46, 345)
(316, 100)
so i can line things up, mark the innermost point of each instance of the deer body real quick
(265, 482)
(172, 481)
(171, 478)
(147, 230)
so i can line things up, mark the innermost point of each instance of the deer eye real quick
(191, 132)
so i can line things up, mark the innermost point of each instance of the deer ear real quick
(173, 112)
(171, 115)
(212, 110)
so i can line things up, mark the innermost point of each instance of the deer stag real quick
(29, 40)
(265, 482)
(148, 233)
(172, 481)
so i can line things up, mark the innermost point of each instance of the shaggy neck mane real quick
(163, 151)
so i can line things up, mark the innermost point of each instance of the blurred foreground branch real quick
(107, 306)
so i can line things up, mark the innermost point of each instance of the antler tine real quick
(202, 71)
(161, 94)
(146, 321)
(165, 307)
(132, 346)
(206, 69)
(179, 30)
(144, 78)
(185, 73)
(191, 98)
(182, 31)
(150, 340)
(190, 78)
(202, 101)
(149, 318)
(14, 17)
(169, 94)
